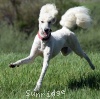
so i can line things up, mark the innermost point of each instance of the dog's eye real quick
(42, 21)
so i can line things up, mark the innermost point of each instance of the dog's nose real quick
(47, 30)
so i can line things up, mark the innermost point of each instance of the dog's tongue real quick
(45, 34)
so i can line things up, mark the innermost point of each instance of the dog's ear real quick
(53, 20)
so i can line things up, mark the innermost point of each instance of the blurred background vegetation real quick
(19, 23)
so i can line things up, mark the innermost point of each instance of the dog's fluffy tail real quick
(76, 16)
(49, 9)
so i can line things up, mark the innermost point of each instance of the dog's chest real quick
(42, 46)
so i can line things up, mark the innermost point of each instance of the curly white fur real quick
(76, 16)
(48, 11)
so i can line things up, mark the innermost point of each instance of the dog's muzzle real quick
(47, 31)
(47, 34)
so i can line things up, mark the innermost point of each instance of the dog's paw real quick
(37, 88)
(93, 67)
(12, 65)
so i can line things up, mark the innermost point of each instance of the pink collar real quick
(44, 39)
(40, 36)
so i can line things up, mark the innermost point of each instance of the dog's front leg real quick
(33, 54)
(44, 68)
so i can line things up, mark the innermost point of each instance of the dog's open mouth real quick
(47, 32)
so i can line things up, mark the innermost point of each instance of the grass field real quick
(67, 78)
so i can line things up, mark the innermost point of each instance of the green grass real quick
(66, 78)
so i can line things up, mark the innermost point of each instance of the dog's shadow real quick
(90, 81)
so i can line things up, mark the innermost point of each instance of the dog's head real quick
(45, 25)
(47, 17)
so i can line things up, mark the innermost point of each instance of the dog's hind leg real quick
(75, 46)
(33, 54)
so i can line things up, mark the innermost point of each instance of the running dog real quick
(48, 44)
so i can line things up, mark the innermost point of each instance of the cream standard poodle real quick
(48, 44)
